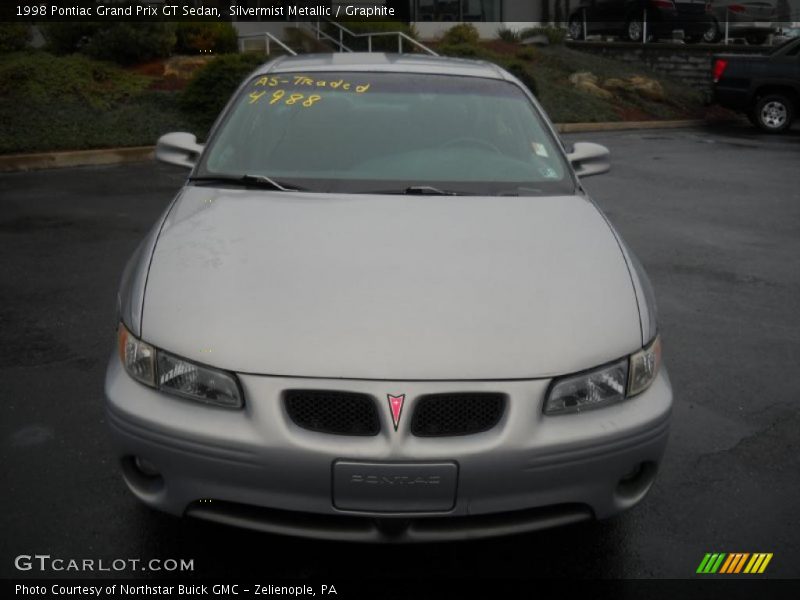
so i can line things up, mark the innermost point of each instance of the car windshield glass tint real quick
(363, 132)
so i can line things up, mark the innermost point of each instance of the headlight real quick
(605, 385)
(192, 381)
(177, 376)
(593, 389)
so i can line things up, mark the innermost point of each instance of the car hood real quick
(390, 286)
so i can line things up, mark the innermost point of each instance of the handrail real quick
(400, 37)
(369, 35)
(340, 26)
(267, 38)
(419, 44)
(339, 42)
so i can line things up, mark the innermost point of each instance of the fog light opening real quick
(141, 475)
(635, 483)
(147, 468)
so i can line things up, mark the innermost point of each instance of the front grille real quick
(457, 413)
(340, 413)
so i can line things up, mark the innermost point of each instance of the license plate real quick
(394, 487)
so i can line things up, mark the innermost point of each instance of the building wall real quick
(522, 11)
(690, 64)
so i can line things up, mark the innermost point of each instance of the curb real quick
(627, 125)
(115, 156)
(76, 158)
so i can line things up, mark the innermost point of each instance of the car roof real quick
(382, 62)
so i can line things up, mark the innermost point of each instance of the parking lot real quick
(714, 215)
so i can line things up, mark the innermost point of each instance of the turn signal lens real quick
(137, 357)
(644, 367)
(719, 68)
(665, 4)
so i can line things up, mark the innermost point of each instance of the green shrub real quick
(53, 102)
(381, 43)
(205, 36)
(128, 43)
(554, 35)
(527, 53)
(508, 35)
(520, 71)
(70, 124)
(39, 78)
(67, 37)
(465, 33)
(14, 37)
(212, 86)
(122, 42)
(460, 50)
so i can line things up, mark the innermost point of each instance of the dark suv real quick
(765, 88)
(629, 19)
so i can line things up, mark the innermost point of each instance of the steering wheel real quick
(471, 141)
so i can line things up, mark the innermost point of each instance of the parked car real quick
(628, 19)
(765, 87)
(383, 307)
(753, 20)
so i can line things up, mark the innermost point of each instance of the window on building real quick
(457, 10)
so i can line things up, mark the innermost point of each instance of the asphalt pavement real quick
(714, 215)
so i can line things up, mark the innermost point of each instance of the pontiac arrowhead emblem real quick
(396, 407)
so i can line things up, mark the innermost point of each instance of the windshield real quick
(783, 46)
(363, 132)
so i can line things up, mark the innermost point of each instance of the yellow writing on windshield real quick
(281, 97)
(305, 81)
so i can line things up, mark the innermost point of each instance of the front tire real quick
(634, 29)
(774, 113)
(712, 35)
(576, 28)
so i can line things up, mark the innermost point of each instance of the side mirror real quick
(588, 158)
(179, 149)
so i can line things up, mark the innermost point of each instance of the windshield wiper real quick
(261, 181)
(427, 190)
(420, 190)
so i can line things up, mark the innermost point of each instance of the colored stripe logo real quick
(734, 563)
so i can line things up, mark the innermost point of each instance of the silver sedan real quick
(383, 308)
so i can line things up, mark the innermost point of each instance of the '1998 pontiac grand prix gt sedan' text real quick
(382, 307)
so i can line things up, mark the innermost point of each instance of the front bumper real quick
(256, 468)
